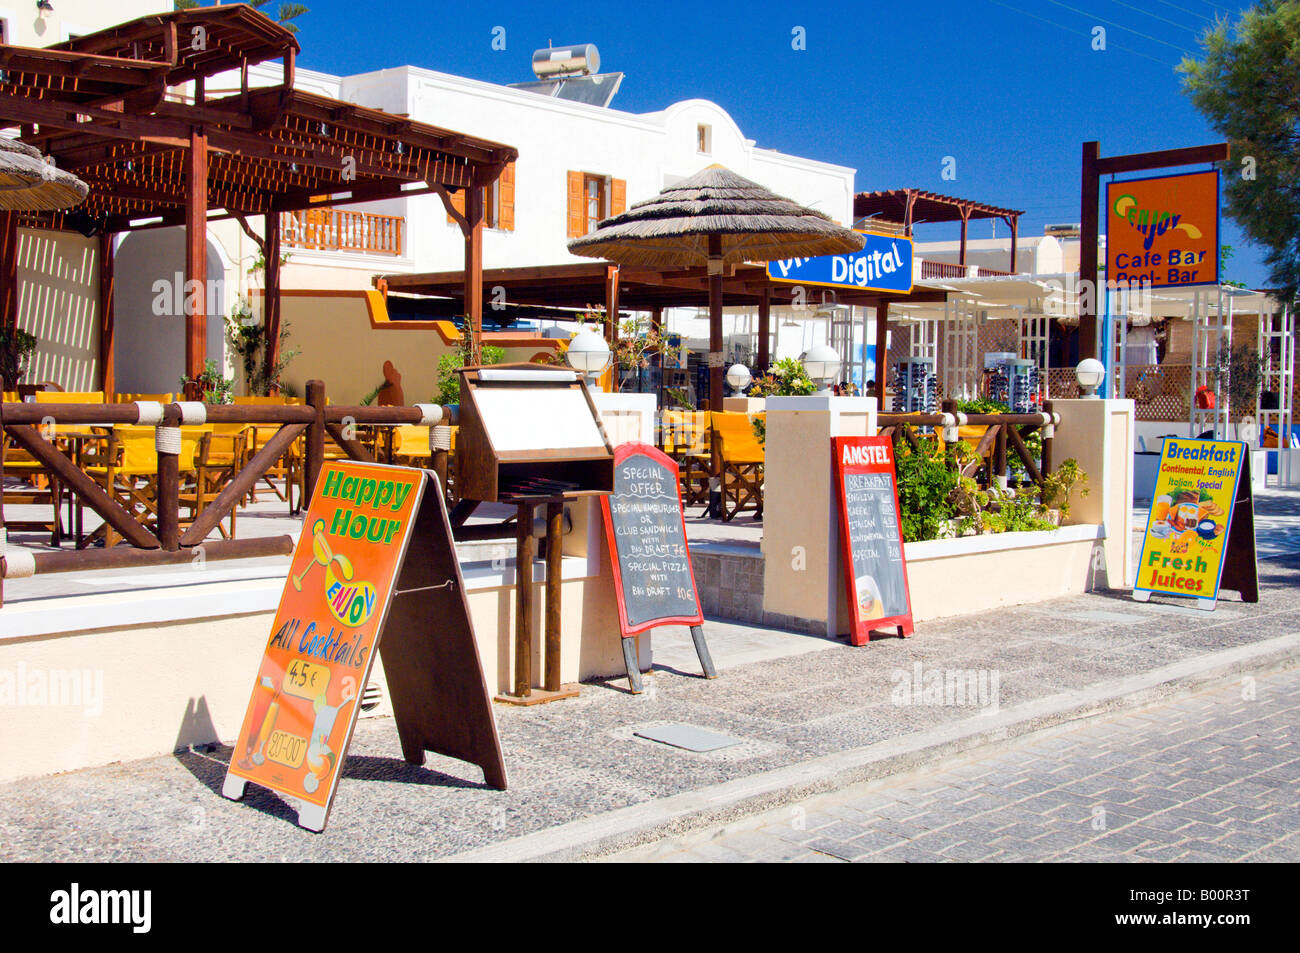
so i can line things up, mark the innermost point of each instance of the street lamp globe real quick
(822, 364)
(738, 378)
(1090, 373)
(588, 354)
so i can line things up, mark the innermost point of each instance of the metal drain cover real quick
(688, 737)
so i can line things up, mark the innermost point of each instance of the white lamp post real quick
(588, 354)
(738, 378)
(1090, 373)
(822, 364)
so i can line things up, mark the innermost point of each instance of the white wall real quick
(24, 26)
(58, 301)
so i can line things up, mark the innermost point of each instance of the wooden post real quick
(524, 552)
(474, 273)
(999, 467)
(611, 309)
(1013, 221)
(107, 364)
(948, 406)
(554, 579)
(882, 353)
(9, 275)
(1088, 291)
(315, 438)
(168, 445)
(965, 222)
(271, 293)
(764, 330)
(715, 328)
(1045, 464)
(196, 253)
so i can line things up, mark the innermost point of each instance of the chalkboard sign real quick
(874, 567)
(646, 531)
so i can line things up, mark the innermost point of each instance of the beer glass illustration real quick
(320, 757)
(323, 555)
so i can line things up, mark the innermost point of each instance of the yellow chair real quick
(687, 433)
(219, 456)
(158, 398)
(126, 467)
(740, 462)
(411, 446)
(289, 468)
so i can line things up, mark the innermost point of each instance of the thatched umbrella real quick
(30, 184)
(715, 217)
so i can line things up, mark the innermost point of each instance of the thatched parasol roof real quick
(30, 184)
(673, 228)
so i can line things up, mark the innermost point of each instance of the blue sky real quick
(1009, 88)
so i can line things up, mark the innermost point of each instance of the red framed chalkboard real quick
(871, 535)
(645, 528)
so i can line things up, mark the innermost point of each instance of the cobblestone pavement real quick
(1212, 777)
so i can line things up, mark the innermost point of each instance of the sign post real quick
(375, 569)
(875, 569)
(654, 580)
(1200, 532)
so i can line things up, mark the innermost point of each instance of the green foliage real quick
(1246, 88)
(1058, 483)
(1244, 368)
(760, 429)
(449, 364)
(927, 479)
(983, 405)
(16, 347)
(678, 397)
(785, 378)
(249, 339)
(216, 387)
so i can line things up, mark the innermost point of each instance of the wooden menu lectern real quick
(530, 435)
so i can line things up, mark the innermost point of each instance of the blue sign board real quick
(884, 264)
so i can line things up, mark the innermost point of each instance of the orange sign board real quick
(322, 646)
(1163, 232)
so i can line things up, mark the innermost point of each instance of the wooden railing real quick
(331, 229)
(937, 270)
(1005, 433)
(165, 542)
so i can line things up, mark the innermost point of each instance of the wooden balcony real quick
(332, 229)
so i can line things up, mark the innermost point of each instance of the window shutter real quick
(577, 206)
(458, 203)
(506, 199)
(617, 196)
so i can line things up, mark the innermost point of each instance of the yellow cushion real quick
(132, 398)
(69, 397)
(735, 431)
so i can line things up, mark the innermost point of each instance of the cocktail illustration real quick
(265, 711)
(320, 756)
(323, 555)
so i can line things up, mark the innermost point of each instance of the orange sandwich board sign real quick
(875, 570)
(375, 569)
(654, 581)
(1163, 232)
(1200, 533)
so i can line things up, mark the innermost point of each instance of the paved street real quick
(1212, 777)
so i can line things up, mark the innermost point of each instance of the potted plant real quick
(216, 387)
(1054, 501)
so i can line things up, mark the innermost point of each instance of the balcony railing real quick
(330, 229)
(938, 270)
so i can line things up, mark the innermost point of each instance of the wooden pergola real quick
(637, 288)
(127, 110)
(917, 206)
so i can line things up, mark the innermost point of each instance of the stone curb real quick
(720, 803)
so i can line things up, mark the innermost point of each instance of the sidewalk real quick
(809, 715)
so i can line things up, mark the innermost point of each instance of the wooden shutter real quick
(506, 199)
(617, 196)
(577, 206)
(458, 203)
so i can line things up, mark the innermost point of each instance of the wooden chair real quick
(156, 398)
(687, 432)
(219, 456)
(35, 489)
(126, 466)
(739, 462)
(289, 468)
(411, 446)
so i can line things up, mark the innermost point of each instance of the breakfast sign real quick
(1200, 533)
(872, 534)
(375, 569)
(1164, 231)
